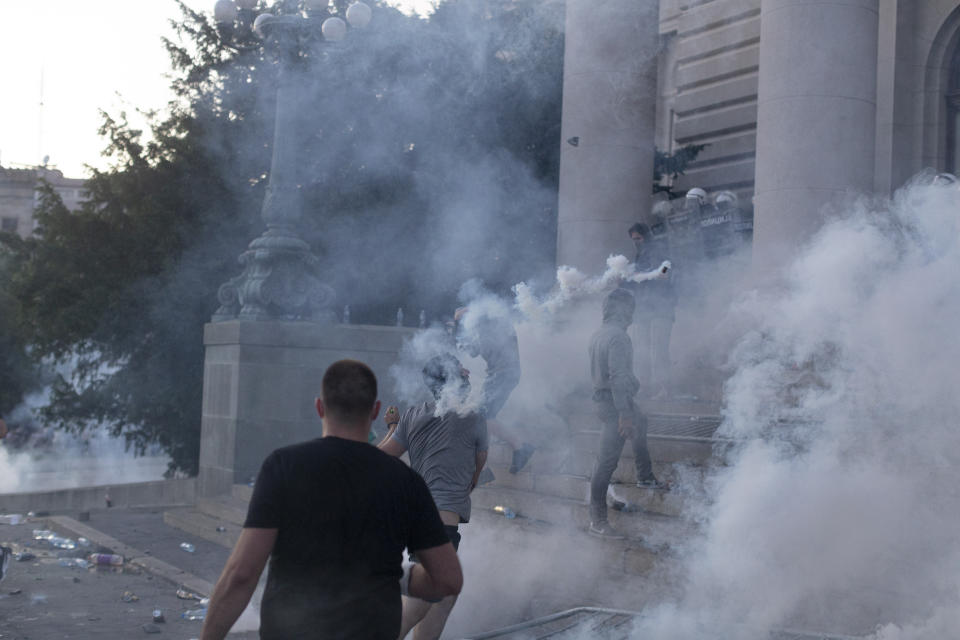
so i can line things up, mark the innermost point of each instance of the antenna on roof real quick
(40, 119)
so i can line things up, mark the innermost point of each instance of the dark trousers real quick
(611, 446)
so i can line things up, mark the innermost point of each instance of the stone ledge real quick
(136, 494)
(305, 334)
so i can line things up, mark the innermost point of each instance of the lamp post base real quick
(278, 282)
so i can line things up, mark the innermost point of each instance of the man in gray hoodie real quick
(614, 386)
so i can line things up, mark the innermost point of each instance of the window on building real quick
(953, 114)
(9, 224)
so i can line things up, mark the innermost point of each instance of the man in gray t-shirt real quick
(448, 450)
(443, 450)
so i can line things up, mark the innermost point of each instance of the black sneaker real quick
(604, 530)
(651, 482)
(5, 554)
(521, 457)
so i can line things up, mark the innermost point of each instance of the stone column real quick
(816, 120)
(609, 104)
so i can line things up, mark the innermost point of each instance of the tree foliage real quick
(408, 133)
(19, 374)
(427, 154)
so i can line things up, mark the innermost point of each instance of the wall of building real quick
(18, 196)
(709, 94)
(709, 83)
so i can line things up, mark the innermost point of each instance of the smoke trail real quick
(572, 283)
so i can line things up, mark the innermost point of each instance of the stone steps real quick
(577, 456)
(229, 508)
(551, 496)
(651, 529)
(649, 535)
(242, 492)
(577, 488)
(203, 525)
(226, 512)
(618, 558)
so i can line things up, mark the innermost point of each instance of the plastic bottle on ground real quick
(194, 614)
(62, 543)
(110, 559)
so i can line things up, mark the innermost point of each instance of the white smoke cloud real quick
(545, 329)
(838, 510)
(53, 459)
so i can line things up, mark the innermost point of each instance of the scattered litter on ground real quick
(186, 546)
(507, 512)
(183, 594)
(11, 518)
(129, 596)
(108, 559)
(158, 616)
(78, 563)
(194, 614)
(58, 542)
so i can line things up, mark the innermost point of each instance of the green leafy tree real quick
(19, 374)
(395, 124)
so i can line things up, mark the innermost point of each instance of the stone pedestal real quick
(260, 380)
(816, 118)
(609, 107)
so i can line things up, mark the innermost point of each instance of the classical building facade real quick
(799, 102)
(18, 195)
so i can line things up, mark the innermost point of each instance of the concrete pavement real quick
(41, 598)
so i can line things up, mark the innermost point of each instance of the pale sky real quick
(91, 55)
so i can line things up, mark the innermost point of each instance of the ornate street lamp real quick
(280, 276)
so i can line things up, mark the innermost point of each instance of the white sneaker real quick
(604, 530)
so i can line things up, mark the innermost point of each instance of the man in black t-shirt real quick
(333, 515)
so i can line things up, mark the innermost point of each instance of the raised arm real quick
(389, 444)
